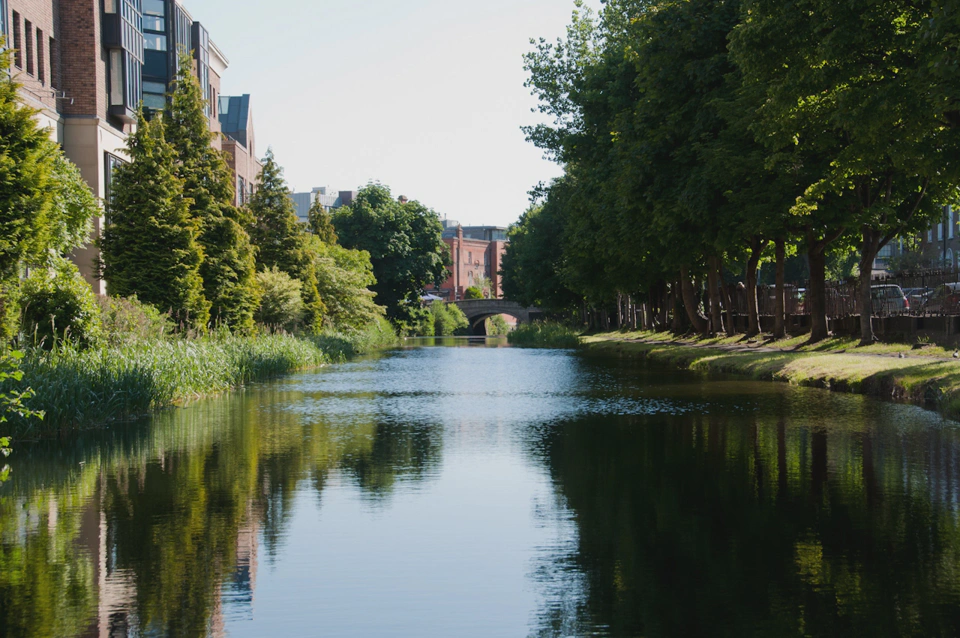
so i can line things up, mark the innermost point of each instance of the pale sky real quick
(425, 96)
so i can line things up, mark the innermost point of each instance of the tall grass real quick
(341, 345)
(81, 388)
(544, 334)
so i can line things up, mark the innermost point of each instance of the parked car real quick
(888, 299)
(917, 296)
(945, 300)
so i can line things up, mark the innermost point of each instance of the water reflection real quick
(491, 491)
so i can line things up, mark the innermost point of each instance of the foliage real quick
(544, 334)
(45, 208)
(281, 305)
(497, 326)
(281, 240)
(228, 268)
(341, 346)
(405, 244)
(149, 246)
(473, 293)
(321, 223)
(78, 388)
(448, 319)
(344, 277)
(130, 320)
(12, 401)
(58, 305)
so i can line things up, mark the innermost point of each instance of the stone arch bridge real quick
(477, 310)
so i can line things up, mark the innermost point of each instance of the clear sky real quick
(425, 96)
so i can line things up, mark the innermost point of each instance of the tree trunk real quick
(816, 299)
(677, 308)
(868, 254)
(753, 262)
(619, 311)
(779, 310)
(690, 304)
(713, 296)
(728, 306)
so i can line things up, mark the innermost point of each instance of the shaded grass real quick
(544, 334)
(923, 381)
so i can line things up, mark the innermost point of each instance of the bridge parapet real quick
(478, 309)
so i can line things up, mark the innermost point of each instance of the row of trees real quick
(701, 136)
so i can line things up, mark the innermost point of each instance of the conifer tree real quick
(149, 246)
(228, 268)
(321, 223)
(281, 239)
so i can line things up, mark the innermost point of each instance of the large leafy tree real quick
(149, 246)
(228, 268)
(281, 239)
(405, 244)
(848, 94)
(45, 206)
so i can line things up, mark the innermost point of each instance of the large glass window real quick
(154, 42)
(111, 164)
(3, 18)
(28, 45)
(154, 95)
(17, 42)
(116, 77)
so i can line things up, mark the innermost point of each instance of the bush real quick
(132, 320)
(341, 346)
(497, 326)
(58, 305)
(448, 319)
(547, 334)
(473, 293)
(281, 305)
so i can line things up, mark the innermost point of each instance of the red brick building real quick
(88, 65)
(476, 253)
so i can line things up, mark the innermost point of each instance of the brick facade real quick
(472, 259)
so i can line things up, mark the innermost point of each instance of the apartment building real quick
(88, 65)
(239, 142)
(328, 198)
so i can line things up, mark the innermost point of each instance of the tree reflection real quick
(760, 524)
(145, 535)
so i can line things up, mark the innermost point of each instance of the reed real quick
(83, 388)
(544, 334)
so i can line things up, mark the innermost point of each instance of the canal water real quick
(491, 491)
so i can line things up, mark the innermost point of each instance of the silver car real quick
(888, 299)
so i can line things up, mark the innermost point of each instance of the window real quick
(17, 44)
(241, 191)
(154, 16)
(110, 164)
(28, 45)
(950, 224)
(109, 6)
(40, 61)
(930, 236)
(940, 231)
(469, 257)
(116, 77)
(54, 64)
(154, 42)
(3, 18)
(154, 95)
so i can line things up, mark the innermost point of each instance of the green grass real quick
(80, 389)
(921, 380)
(546, 334)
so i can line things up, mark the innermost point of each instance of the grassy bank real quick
(84, 388)
(544, 335)
(879, 371)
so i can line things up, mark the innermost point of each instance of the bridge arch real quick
(477, 310)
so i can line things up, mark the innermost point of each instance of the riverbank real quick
(95, 387)
(928, 377)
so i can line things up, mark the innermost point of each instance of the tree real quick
(344, 277)
(280, 304)
(228, 268)
(149, 246)
(44, 205)
(281, 239)
(405, 244)
(321, 223)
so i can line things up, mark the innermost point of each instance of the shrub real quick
(132, 320)
(497, 326)
(544, 334)
(473, 293)
(281, 304)
(448, 319)
(57, 304)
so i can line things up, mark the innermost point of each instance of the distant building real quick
(328, 197)
(475, 252)
(239, 142)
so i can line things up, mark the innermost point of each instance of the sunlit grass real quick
(922, 380)
(544, 334)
